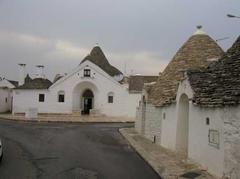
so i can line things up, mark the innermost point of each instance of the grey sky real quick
(144, 34)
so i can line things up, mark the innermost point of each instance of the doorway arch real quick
(183, 126)
(87, 101)
(84, 89)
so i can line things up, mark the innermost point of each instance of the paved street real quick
(69, 151)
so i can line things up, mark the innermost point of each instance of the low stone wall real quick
(148, 122)
(153, 124)
(138, 122)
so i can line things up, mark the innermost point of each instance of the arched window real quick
(61, 96)
(110, 97)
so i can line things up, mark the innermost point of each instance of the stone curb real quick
(140, 150)
(52, 121)
(164, 171)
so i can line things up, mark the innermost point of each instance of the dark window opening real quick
(110, 99)
(61, 98)
(87, 73)
(41, 97)
(164, 115)
(6, 100)
(207, 121)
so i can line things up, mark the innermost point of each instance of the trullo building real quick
(193, 108)
(94, 87)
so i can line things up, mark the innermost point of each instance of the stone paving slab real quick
(68, 118)
(166, 163)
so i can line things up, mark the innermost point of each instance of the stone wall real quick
(153, 124)
(232, 142)
(150, 125)
(138, 121)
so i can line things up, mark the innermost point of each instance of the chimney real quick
(22, 74)
(40, 73)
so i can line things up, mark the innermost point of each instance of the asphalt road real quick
(69, 151)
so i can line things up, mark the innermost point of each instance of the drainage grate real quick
(190, 175)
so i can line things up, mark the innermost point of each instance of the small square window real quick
(110, 99)
(41, 98)
(61, 98)
(87, 73)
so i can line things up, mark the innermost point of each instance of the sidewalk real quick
(166, 163)
(67, 118)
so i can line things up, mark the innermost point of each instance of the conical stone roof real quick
(218, 85)
(98, 58)
(197, 52)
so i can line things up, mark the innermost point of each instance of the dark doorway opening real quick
(87, 97)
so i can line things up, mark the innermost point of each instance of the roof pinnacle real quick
(199, 30)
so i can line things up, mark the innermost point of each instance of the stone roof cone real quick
(97, 57)
(194, 54)
(235, 49)
(218, 85)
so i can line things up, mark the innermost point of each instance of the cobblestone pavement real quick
(69, 151)
(166, 163)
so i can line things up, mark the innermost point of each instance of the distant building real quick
(6, 88)
(94, 87)
(193, 108)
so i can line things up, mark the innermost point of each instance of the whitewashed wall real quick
(200, 149)
(169, 127)
(74, 85)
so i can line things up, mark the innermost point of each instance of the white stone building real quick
(193, 108)
(94, 87)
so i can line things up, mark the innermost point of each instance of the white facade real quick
(201, 123)
(207, 136)
(73, 86)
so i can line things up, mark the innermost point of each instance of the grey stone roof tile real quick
(194, 54)
(98, 58)
(37, 83)
(136, 82)
(219, 84)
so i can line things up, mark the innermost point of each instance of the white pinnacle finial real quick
(199, 31)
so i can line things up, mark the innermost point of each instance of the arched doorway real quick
(87, 98)
(81, 91)
(183, 125)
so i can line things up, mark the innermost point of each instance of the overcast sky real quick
(143, 34)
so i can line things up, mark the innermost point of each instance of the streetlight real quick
(221, 39)
(232, 16)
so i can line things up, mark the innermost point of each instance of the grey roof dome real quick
(37, 83)
(218, 85)
(194, 54)
(98, 58)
